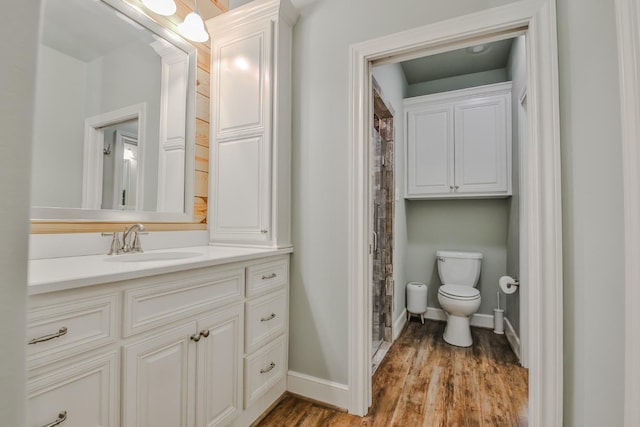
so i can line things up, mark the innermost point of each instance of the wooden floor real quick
(425, 382)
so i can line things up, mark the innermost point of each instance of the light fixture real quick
(161, 7)
(193, 27)
(478, 49)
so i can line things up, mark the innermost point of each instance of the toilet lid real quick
(459, 292)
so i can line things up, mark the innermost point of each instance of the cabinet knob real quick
(195, 337)
(268, 368)
(204, 333)
(451, 187)
(270, 317)
(457, 187)
(264, 231)
(62, 416)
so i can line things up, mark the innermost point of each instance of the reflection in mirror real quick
(114, 120)
(120, 173)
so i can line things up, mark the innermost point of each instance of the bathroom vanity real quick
(187, 337)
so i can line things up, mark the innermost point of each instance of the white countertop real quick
(57, 274)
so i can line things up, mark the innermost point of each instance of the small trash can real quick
(416, 299)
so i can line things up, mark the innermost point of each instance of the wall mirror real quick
(114, 120)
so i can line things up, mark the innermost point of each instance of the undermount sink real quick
(152, 256)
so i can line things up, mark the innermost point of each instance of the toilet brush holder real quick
(498, 321)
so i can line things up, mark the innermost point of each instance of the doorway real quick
(543, 235)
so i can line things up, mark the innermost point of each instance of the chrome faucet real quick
(136, 246)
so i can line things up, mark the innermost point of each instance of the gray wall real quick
(592, 213)
(58, 130)
(517, 73)
(393, 84)
(319, 283)
(18, 41)
(458, 82)
(466, 225)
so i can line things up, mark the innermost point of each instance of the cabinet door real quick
(219, 372)
(83, 394)
(159, 380)
(429, 150)
(242, 64)
(241, 190)
(481, 150)
(241, 80)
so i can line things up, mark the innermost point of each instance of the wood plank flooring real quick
(425, 382)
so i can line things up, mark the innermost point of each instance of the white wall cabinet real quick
(459, 143)
(184, 349)
(250, 145)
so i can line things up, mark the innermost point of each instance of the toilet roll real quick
(504, 285)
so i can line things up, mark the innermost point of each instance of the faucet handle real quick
(116, 246)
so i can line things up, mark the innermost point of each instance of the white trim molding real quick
(512, 338)
(399, 324)
(628, 29)
(324, 391)
(541, 187)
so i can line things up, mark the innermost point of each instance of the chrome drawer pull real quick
(266, 319)
(271, 366)
(62, 331)
(62, 416)
(271, 276)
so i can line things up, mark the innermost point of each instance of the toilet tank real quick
(459, 268)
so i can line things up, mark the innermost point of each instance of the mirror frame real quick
(79, 215)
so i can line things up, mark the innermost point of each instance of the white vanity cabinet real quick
(160, 374)
(459, 143)
(203, 347)
(251, 124)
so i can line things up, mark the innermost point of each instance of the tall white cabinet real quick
(250, 186)
(459, 143)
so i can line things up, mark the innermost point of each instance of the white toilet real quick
(459, 273)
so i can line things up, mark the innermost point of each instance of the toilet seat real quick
(459, 292)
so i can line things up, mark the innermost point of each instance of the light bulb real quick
(161, 7)
(193, 28)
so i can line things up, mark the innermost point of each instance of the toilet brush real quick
(498, 318)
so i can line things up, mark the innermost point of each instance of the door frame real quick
(628, 33)
(536, 18)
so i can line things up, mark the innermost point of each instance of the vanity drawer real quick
(263, 369)
(266, 277)
(265, 319)
(80, 395)
(162, 304)
(62, 330)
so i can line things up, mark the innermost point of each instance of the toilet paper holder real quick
(515, 283)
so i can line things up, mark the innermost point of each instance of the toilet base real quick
(458, 332)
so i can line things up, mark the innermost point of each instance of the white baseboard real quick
(512, 337)
(479, 320)
(399, 324)
(329, 392)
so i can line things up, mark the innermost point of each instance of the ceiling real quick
(87, 30)
(457, 63)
